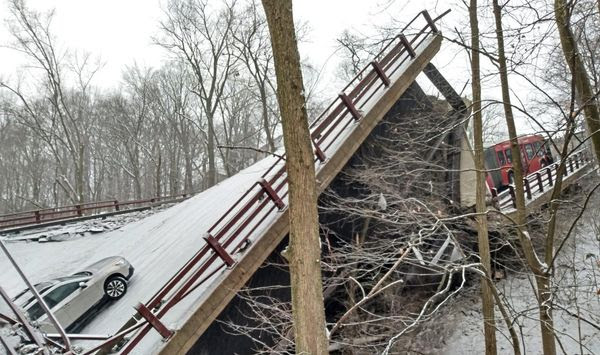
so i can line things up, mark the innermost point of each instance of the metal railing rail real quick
(72, 212)
(256, 209)
(540, 181)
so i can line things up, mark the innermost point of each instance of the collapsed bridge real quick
(193, 258)
(260, 214)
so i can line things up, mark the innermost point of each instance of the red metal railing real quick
(540, 181)
(55, 214)
(257, 208)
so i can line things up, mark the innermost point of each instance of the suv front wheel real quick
(115, 287)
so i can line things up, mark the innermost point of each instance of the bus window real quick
(529, 151)
(538, 148)
(548, 151)
(508, 156)
(501, 158)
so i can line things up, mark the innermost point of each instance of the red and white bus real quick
(535, 154)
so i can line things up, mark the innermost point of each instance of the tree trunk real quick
(80, 172)
(487, 297)
(265, 118)
(304, 250)
(546, 324)
(585, 93)
(187, 155)
(212, 167)
(158, 174)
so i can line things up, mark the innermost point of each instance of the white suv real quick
(76, 298)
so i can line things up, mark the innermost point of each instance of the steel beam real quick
(29, 330)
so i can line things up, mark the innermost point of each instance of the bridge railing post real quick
(511, 191)
(319, 152)
(380, 73)
(577, 157)
(153, 320)
(219, 250)
(540, 181)
(527, 188)
(570, 164)
(407, 46)
(549, 173)
(268, 189)
(430, 21)
(350, 106)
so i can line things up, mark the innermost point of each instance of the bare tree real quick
(63, 126)
(585, 93)
(252, 43)
(487, 299)
(304, 250)
(203, 40)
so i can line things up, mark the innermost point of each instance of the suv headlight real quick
(120, 262)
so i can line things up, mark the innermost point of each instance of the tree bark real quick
(265, 118)
(585, 93)
(304, 251)
(212, 166)
(487, 297)
(544, 298)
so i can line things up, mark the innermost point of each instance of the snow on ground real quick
(459, 329)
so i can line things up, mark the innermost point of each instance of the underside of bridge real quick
(418, 132)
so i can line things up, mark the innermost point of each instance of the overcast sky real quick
(119, 32)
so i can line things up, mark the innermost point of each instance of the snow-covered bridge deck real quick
(196, 255)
